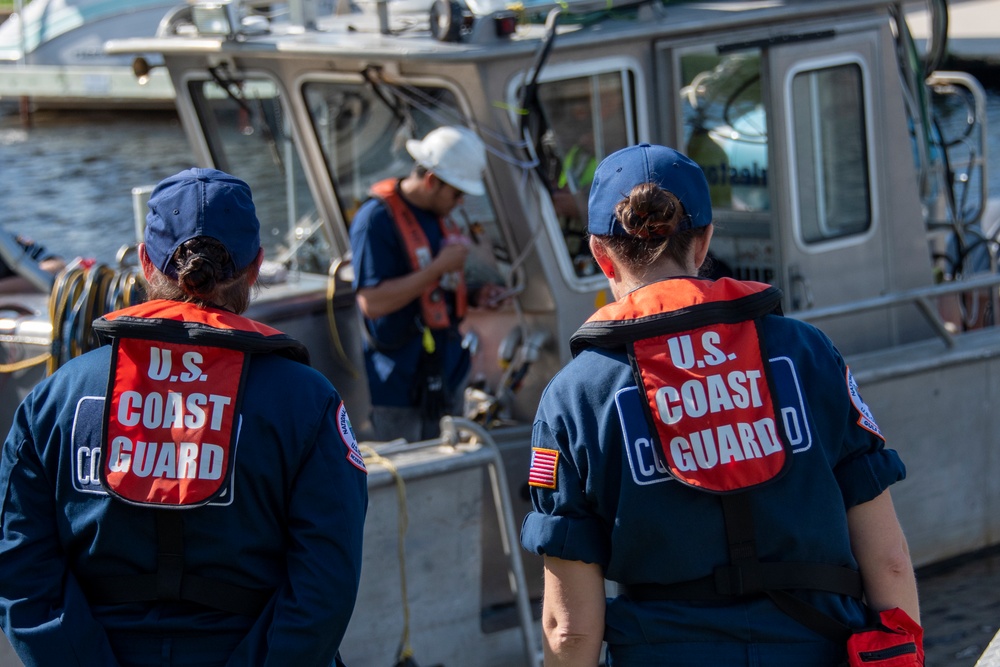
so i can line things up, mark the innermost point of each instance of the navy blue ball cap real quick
(621, 171)
(201, 202)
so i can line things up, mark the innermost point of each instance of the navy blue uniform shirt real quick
(614, 504)
(293, 523)
(392, 360)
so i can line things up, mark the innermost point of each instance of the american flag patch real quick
(543, 467)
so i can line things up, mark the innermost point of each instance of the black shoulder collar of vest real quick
(174, 331)
(613, 334)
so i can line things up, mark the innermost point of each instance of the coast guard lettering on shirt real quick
(647, 461)
(86, 451)
(171, 422)
(711, 406)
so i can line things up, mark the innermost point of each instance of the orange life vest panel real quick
(171, 419)
(433, 309)
(698, 356)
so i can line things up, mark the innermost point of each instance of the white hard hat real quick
(453, 154)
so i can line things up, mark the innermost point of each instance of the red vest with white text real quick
(171, 416)
(698, 357)
(433, 309)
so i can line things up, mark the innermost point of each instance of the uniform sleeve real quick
(375, 249)
(562, 523)
(867, 467)
(307, 618)
(43, 611)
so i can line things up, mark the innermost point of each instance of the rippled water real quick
(67, 182)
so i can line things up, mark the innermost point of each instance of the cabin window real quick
(254, 143)
(831, 167)
(725, 126)
(362, 128)
(585, 118)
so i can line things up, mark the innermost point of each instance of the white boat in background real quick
(52, 51)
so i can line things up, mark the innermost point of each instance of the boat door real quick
(828, 151)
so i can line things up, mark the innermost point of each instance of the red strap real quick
(433, 308)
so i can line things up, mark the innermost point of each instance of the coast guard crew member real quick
(710, 456)
(409, 258)
(191, 493)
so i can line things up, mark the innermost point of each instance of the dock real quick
(78, 86)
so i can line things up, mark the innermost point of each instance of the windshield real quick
(362, 126)
(250, 137)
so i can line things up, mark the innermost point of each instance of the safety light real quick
(505, 23)
(217, 17)
(141, 68)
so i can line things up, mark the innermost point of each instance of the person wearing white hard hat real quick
(408, 261)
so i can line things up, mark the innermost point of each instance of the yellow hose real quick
(338, 347)
(15, 366)
(405, 650)
(81, 293)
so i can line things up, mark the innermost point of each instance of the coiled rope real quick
(81, 293)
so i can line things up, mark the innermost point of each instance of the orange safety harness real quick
(433, 308)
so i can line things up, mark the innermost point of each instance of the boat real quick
(52, 52)
(846, 168)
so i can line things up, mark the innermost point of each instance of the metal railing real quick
(455, 432)
(922, 297)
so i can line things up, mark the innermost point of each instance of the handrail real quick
(488, 455)
(450, 427)
(920, 296)
(970, 83)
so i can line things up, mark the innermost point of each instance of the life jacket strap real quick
(733, 581)
(746, 576)
(170, 582)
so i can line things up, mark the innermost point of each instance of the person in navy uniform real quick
(409, 259)
(712, 459)
(190, 493)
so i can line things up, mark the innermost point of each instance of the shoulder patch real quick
(865, 418)
(350, 441)
(543, 470)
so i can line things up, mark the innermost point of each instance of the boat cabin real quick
(806, 116)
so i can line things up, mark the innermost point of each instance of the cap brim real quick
(473, 189)
(413, 147)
